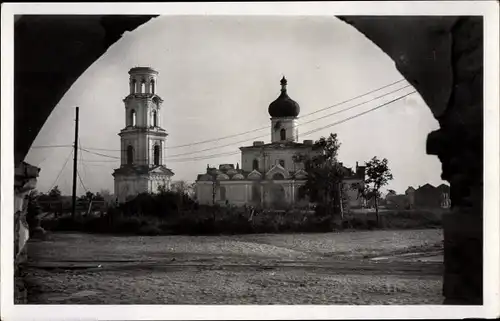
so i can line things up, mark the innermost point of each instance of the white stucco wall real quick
(272, 157)
(132, 185)
(289, 124)
(239, 193)
(204, 192)
(143, 144)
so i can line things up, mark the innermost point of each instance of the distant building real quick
(428, 196)
(410, 194)
(397, 201)
(269, 175)
(142, 166)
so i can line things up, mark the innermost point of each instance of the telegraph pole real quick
(75, 153)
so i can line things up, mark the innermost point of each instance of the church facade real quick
(270, 176)
(142, 141)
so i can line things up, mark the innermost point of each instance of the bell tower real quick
(143, 139)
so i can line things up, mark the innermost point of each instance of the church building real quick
(270, 176)
(143, 139)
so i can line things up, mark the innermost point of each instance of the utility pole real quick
(214, 189)
(75, 157)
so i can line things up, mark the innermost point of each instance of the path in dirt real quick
(332, 268)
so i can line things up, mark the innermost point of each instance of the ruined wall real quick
(25, 181)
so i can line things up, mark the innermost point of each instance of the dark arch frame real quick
(456, 36)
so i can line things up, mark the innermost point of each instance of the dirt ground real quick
(375, 267)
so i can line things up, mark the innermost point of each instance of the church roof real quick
(279, 145)
(142, 70)
(284, 106)
(142, 170)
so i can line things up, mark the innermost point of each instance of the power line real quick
(64, 166)
(312, 131)
(81, 181)
(267, 126)
(260, 136)
(99, 154)
(303, 116)
(358, 115)
(51, 146)
(348, 100)
(313, 120)
(81, 158)
(307, 133)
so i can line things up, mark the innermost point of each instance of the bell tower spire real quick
(283, 83)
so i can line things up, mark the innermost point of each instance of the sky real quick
(217, 77)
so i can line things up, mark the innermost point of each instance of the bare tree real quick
(108, 198)
(180, 186)
(378, 175)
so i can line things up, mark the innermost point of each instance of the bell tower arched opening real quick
(133, 86)
(155, 118)
(133, 118)
(255, 164)
(283, 134)
(130, 155)
(156, 155)
(152, 86)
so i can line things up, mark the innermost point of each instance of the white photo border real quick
(490, 308)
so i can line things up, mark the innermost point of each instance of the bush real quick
(216, 220)
(150, 230)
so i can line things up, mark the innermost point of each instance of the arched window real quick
(155, 121)
(152, 83)
(132, 117)
(130, 154)
(282, 163)
(133, 86)
(143, 86)
(278, 176)
(222, 193)
(283, 134)
(156, 155)
(255, 164)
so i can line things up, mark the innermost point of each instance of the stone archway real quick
(440, 57)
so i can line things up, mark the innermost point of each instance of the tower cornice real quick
(143, 96)
(156, 131)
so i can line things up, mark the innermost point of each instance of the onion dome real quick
(284, 106)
